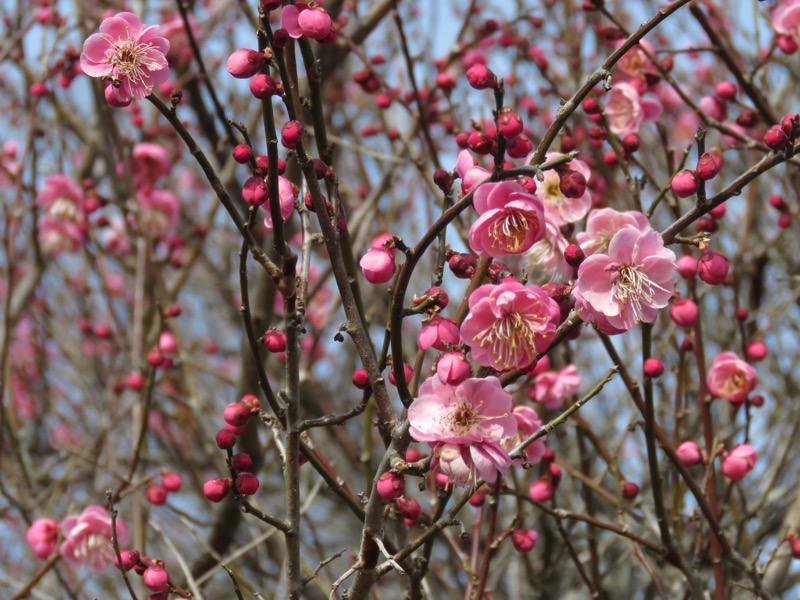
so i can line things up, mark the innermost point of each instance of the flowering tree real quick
(442, 299)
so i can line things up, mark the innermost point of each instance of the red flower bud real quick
(243, 154)
(572, 183)
(361, 379)
(156, 494)
(225, 439)
(776, 138)
(409, 509)
(246, 483)
(292, 134)
(630, 490)
(509, 123)
(481, 77)
(653, 368)
(707, 167)
(574, 255)
(524, 540)
(713, 267)
(244, 63)
(519, 147)
(241, 462)
(263, 86)
(462, 265)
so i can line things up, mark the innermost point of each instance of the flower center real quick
(464, 416)
(510, 336)
(510, 232)
(130, 60)
(634, 289)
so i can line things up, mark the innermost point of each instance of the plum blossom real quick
(438, 333)
(731, 378)
(132, 55)
(62, 225)
(159, 211)
(603, 223)
(739, 462)
(87, 537)
(547, 255)
(511, 220)
(528, 422)
(629, 284)
(150, 163)
(627, 110)
(551, 388)
(635, 63)
(314, 23)
(508, 324)
(286, 198)
(559, 208)
(786, 19)
(465, 425)
(470, 173)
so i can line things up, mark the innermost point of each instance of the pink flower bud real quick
(739, 462)
(479, 497)
(713, 107)
(254, 191)
(452, 368)
(438, 333)
(684, 183)
(788, 125)
(246, 483)
(361, 379)
(689, 454)
(378, 265)
(236, 414)
(263, 87)
(524, 540)
(712, 267)
(778, 203)
(156, 494)
(445, 82)
(757, 350)
(794, 545)
(241, 462)
(437, 294)
(572, 183)
(315, 23)
(243, 154)
(225, 439)
(591, 106)
(42, 537)
(481, 77)
(244, 63)
(409, 509)
(390, 486)
(776, 138)
(687, 266)
(251, 402)
(155, 577)
(787, 44)
(630, 490)
(167, 342)
(653, 368)
(509, 123)
(408, 372)
(541, 490)
(707, 167)
(172, 310)
(130, 558)
(275, 340)
(172, 481)
(630, 143)
(292, 134)
(726, 91)
(684, 312)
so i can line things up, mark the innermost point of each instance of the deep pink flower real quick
(87, 537)
(551, 388)
(132, 54)
(314, 23)
(511, 220)
(470, 174)
(42, 537)
(465, 424)
(603, 223)
(786, 19)
(627, 110)
(730, 377)
(528, 422)
(557, 207)
(437, 333)
(508, 324)
(629, 284)
(739, 462)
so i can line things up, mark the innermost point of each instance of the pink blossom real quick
(470, 174)
(159, 211)
(244, 63)
(511, 220)
(547, 255)
(465, 424)
(378, 265)
(557, 207)
(438, 333)
(603, 223)
(528, 423)
(627, 110)
(57, 236)
(739, 462)
(314, 23)
(42, 537)
(730, 377)
(87, 537)
(508, 324)
(150, 163)
(629, 284)
(131, 54)
(452, 368)
(286, 198)
(689, 454)
(551, 388)
(635, 63)
(60, 198)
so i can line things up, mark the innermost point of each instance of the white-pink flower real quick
(508, 324)
(731, 378)
(465, 424)
(87, 537)
(603, 223)
(627, 110)
(551, 388)
(559, 208)
(629, 284)
(131, 54)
